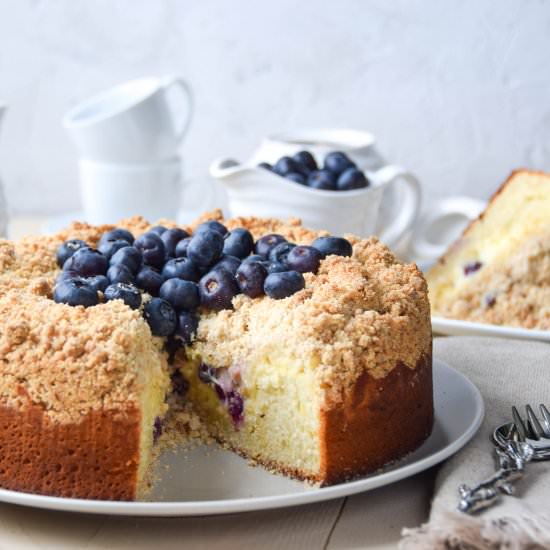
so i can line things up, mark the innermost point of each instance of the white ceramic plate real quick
(208, 480)
(452, 327)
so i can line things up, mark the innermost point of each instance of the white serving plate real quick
(452, 327)
(209, 480)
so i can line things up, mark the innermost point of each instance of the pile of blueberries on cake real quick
(183, 273)
(338, 173)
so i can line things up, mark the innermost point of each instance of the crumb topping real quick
(72, 359)
(364, 313)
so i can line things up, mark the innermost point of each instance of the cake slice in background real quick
(498, 271)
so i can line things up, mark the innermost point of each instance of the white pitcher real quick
(3, 205)
(387, 208)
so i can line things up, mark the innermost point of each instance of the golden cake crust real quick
(96, 457)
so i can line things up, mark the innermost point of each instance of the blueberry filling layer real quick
(226, 390)
(472, 267)
(157, 429)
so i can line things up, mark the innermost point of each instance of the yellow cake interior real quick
(282, 397)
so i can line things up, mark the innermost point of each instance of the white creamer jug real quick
(387, 208)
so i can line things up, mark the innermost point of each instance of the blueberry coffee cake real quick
(306, 353)
(499, 270)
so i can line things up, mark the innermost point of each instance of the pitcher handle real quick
(177, 82)
(410, 206)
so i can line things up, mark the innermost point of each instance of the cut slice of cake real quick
(326, 382)
(499, 270)
(330, 383)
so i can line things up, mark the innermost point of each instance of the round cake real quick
(324, 381)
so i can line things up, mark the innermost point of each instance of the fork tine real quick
(520, 426)
(546, 419)
(533, 423)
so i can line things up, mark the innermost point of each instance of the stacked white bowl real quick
(128, 139)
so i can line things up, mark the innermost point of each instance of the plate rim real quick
(237, 505)
(445, 326)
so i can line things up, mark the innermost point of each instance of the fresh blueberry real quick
(239, 243)
(229, 263)
(181, 248)
(75, 292)
(267, 242)
(129, 294)
(183, 268)
(108, 248)
(304, 259)
(265, 166)
(337, 162)
(205, 248)
(87, 262)
(158, 229)
(116, 234)
(119, 273)
(296, 177)
(65, 275)
(275, 267)
(211, 225)
(250, 278)
(352, 178)
(332, 245)
(280, 252)
(171, 238)
(187, 326)
(149, 279)
(283, 285)
(98, 282)
(152, 249)
(67, 249)
(286, 165)
(306, 160)
(253, 258)
(217, 290)
(181, 294)
(129, 256)
(322, 179)
(160, 316)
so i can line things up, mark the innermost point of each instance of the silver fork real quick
(518, 443)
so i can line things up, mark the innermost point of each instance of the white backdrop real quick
(456, 91)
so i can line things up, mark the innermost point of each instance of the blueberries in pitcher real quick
(337, 162)
(306, 160)
(336, 172)
(322, 179)
(352, 178)
(296, 178)
(286, 165)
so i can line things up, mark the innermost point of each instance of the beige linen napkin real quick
(506, 372)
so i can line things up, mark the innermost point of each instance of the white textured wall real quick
(457, 91)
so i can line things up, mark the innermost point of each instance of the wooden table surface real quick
(370, 520)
